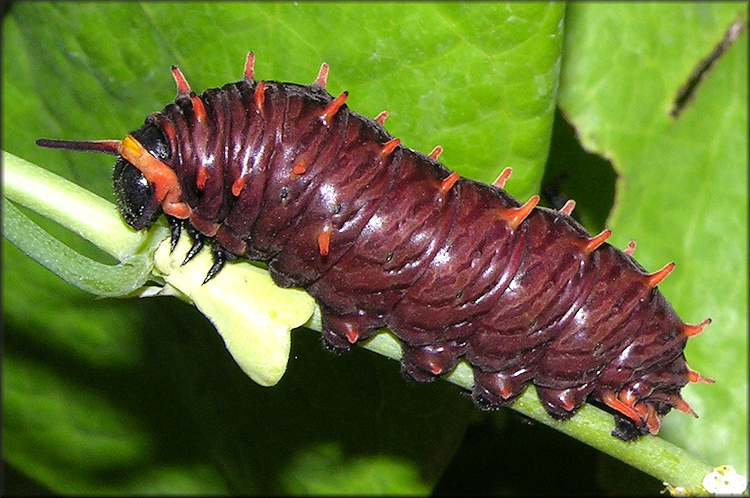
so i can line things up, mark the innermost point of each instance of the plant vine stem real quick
(591, 425)
(53, 196)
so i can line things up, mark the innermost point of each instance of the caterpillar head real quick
(144, 185)
(136, 196)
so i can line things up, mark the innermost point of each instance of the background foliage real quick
(141, 396)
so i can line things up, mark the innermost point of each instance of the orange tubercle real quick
(169, 130)
(596, 241)
(322, 78)
(693, 330)
(201, 178)
(389, 147)
(238, 185)
(694, 377)
(260, 96)
(650, 417)
(515, 216)
(567, 400)
(182, 85)
(681, 405)
(436, 152)
(199, 110)
(610, 400)
(352, 334)
(500, 180)
(249, 72)
(324, 241)
(655, 279)
(448, 182)
(568, 207)
(331, 109)
(380, 118)
(299, 167)
(505, 388)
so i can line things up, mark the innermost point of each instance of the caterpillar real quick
(385, 236)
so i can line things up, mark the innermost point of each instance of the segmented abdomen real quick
(383, 236)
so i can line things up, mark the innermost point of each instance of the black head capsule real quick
(136, 197)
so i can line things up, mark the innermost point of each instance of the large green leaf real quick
(682, 181)
(126, 396)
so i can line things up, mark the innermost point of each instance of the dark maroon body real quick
(442, 270)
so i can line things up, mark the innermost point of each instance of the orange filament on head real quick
(111, 147)
(132, 147)
(162, 177)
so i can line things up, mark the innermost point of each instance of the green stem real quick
(97, 220)
(86, 274)
(591, 425)
(73, 207)
(84, 213)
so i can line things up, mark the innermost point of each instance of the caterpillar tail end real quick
(636, 417)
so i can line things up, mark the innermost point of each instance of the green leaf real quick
(324, 470)
(477, 79)
(682, 181)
